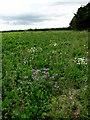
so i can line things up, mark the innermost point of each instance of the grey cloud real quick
(69, 2)
(25, 19)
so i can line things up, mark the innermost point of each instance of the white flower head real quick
(55, 44)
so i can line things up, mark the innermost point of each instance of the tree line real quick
(36, 29)
(81, 20)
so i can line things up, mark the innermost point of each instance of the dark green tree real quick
(81, 20)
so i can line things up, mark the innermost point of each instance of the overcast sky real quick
(25, 14)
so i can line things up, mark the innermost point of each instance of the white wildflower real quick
(55, 44)
(53, 51)
(82, 60)
(73, 103)
(71, 97)
(41, 49)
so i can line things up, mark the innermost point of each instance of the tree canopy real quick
(81, 20)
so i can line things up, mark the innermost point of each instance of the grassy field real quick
(45, 75)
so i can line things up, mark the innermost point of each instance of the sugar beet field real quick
(44, 75)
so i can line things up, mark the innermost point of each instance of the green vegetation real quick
(0, 75)
(45, 75)
(81, 19)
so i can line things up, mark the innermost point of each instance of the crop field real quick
(44, 75)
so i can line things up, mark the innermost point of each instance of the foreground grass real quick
(45, 75)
